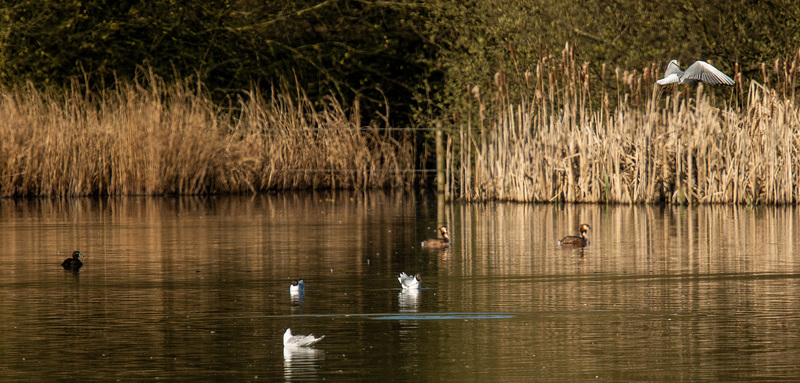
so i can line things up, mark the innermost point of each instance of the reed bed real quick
(627, 140)
(159, 139)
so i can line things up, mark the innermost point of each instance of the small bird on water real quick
(409, 281)
(73, 263)
(290, 340)
(577, 241)
(297, 287)
(438, 243)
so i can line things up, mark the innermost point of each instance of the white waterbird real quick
(409, 281)
(290, 340)
(297, 287)
(699, 71)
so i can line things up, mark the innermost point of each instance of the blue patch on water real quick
(444, 316)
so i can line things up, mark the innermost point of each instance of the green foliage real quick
(353, 49)
(405, 60)
(49, 42)
(514, 36)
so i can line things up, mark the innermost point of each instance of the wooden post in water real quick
(439, 136)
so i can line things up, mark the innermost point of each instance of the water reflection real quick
(72, 270)
(192, 288)
(297, 297)
(297, 291)
(301, 363)
(408, 300)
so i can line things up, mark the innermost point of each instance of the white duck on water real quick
(409, 281)
(297, 287)
(290, 340)
(699, 71)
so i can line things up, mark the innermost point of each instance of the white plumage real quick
(699, 71)
(409, 281)
(290, 340)
(297, 287)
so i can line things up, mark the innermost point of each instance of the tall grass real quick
(574, 133)
(158, 139)
(627, 140)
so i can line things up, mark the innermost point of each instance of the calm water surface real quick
(198, 289)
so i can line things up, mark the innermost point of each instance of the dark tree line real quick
(368, 49)
(416, 56)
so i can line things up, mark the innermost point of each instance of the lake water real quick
(197, 289)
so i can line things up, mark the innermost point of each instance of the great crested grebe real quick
(438, 243)
(577, 241)
(73, 263)
(409, 281)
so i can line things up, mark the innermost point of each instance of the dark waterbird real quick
(73, 263)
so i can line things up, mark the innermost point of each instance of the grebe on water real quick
(577, 241)
(437, 243)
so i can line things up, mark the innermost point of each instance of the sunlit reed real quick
(627, 140)
(157, 139)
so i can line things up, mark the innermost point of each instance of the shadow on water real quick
(197, 288)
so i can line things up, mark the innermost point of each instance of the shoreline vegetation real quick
(642, 144)
(170, 98)
(171, 139)
(565, 132)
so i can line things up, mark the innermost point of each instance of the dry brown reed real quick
(627, 140)
(171, 139)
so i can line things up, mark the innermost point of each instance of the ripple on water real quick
(444, 316)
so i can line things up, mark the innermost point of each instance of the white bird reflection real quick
(409, 328)
(297, 298)
(301, 363)
(297, 292)
(409, 300)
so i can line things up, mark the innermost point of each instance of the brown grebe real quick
(577, 241)
(438, 243)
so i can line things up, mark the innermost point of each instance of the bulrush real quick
(621, 138)
(157, 139)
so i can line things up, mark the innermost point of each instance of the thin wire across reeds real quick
(159, 139)
(637, 144)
